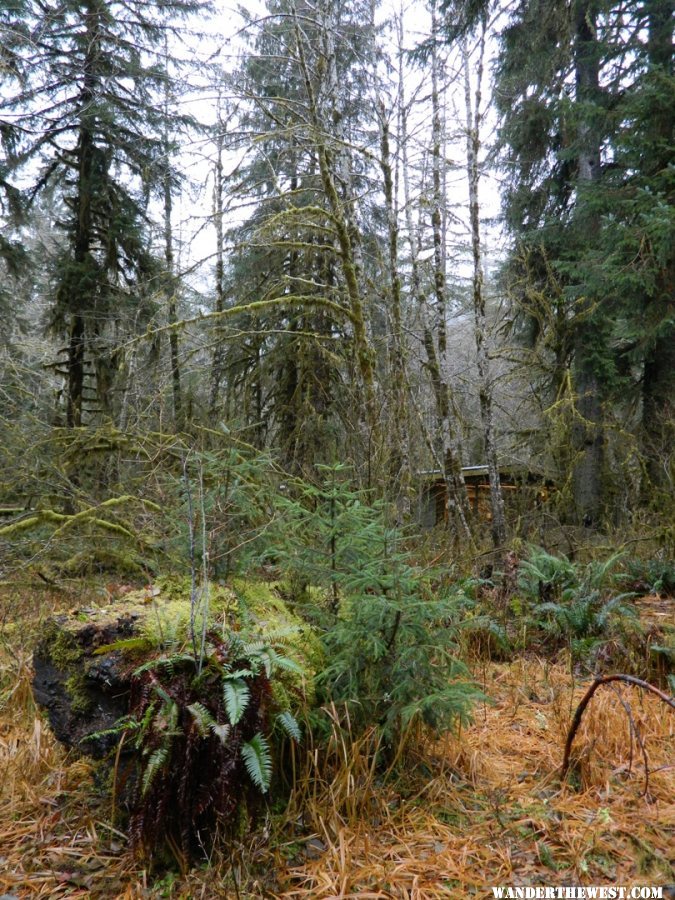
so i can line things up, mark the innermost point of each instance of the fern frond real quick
(283, 662)
(236, 695)
(157, 761)
(270, 659)
(619, 605)
(252, 648)
(222, 732)
(202, 718)
(147, 717)
(164, 662)
(282, 636)
(240, 673)
(127, 723)
(258, 762)
(290, 725)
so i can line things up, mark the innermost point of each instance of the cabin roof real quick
(514, 471)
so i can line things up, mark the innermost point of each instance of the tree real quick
(445, 441)
(299, 249)
(577, 86)
(634, 259)
(474, 118)
(552, 128)
(92, 130)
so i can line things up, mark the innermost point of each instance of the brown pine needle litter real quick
(484, 807)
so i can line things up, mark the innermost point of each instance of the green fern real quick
(545, 570)
(258, 762)
(126, 723)
(617, 606)
(272, 660)
(236, 695)
(222, 732)
(253, 648)
(241, 673)
(282, 636)
(601, 574)
(289, 724)
(156, 763)
(165, 662)
(147, 719)
(206, 724)
(202, 718)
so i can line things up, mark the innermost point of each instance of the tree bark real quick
(171, 284)
(658, 385)
(473, 123)
(344, 229)
(587, 433)
(79, 285)
(218, 360)
(400, 462)
(457, 503)
(444, 444)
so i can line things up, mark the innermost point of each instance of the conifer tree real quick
(300, 246)
(91, 129)
(585, 93)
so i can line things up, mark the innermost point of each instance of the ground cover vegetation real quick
(336, 544)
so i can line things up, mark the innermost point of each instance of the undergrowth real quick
(219, 693)
(204, 735)
(545, 604)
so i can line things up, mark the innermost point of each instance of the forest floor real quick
(486, 807)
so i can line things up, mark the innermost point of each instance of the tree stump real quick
(82, 691)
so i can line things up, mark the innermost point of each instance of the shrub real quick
(390, 640)
(552, 604)
(651, 576)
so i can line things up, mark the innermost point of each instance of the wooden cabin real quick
(520, 488)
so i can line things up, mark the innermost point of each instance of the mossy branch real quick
(86, 515)
(256, 306)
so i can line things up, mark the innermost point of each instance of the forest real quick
(337, 416)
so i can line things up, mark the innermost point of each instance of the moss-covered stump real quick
(84, 661)
(83, 692)
(207, 693)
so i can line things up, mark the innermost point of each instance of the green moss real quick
(92, 560)
(281, 697)
(174, 587)
(80, 699)
(60, 646)
(268, 611)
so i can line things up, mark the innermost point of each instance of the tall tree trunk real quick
(75, 368)
(457, 506)
(588, 433)
(473, 123)
(400, 458)
(218, 360)
(172, 313)
(456, 497)
(658, 385)
(79, 286)
(344, 229)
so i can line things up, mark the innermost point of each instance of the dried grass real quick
(496, 813)
(484, 807)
